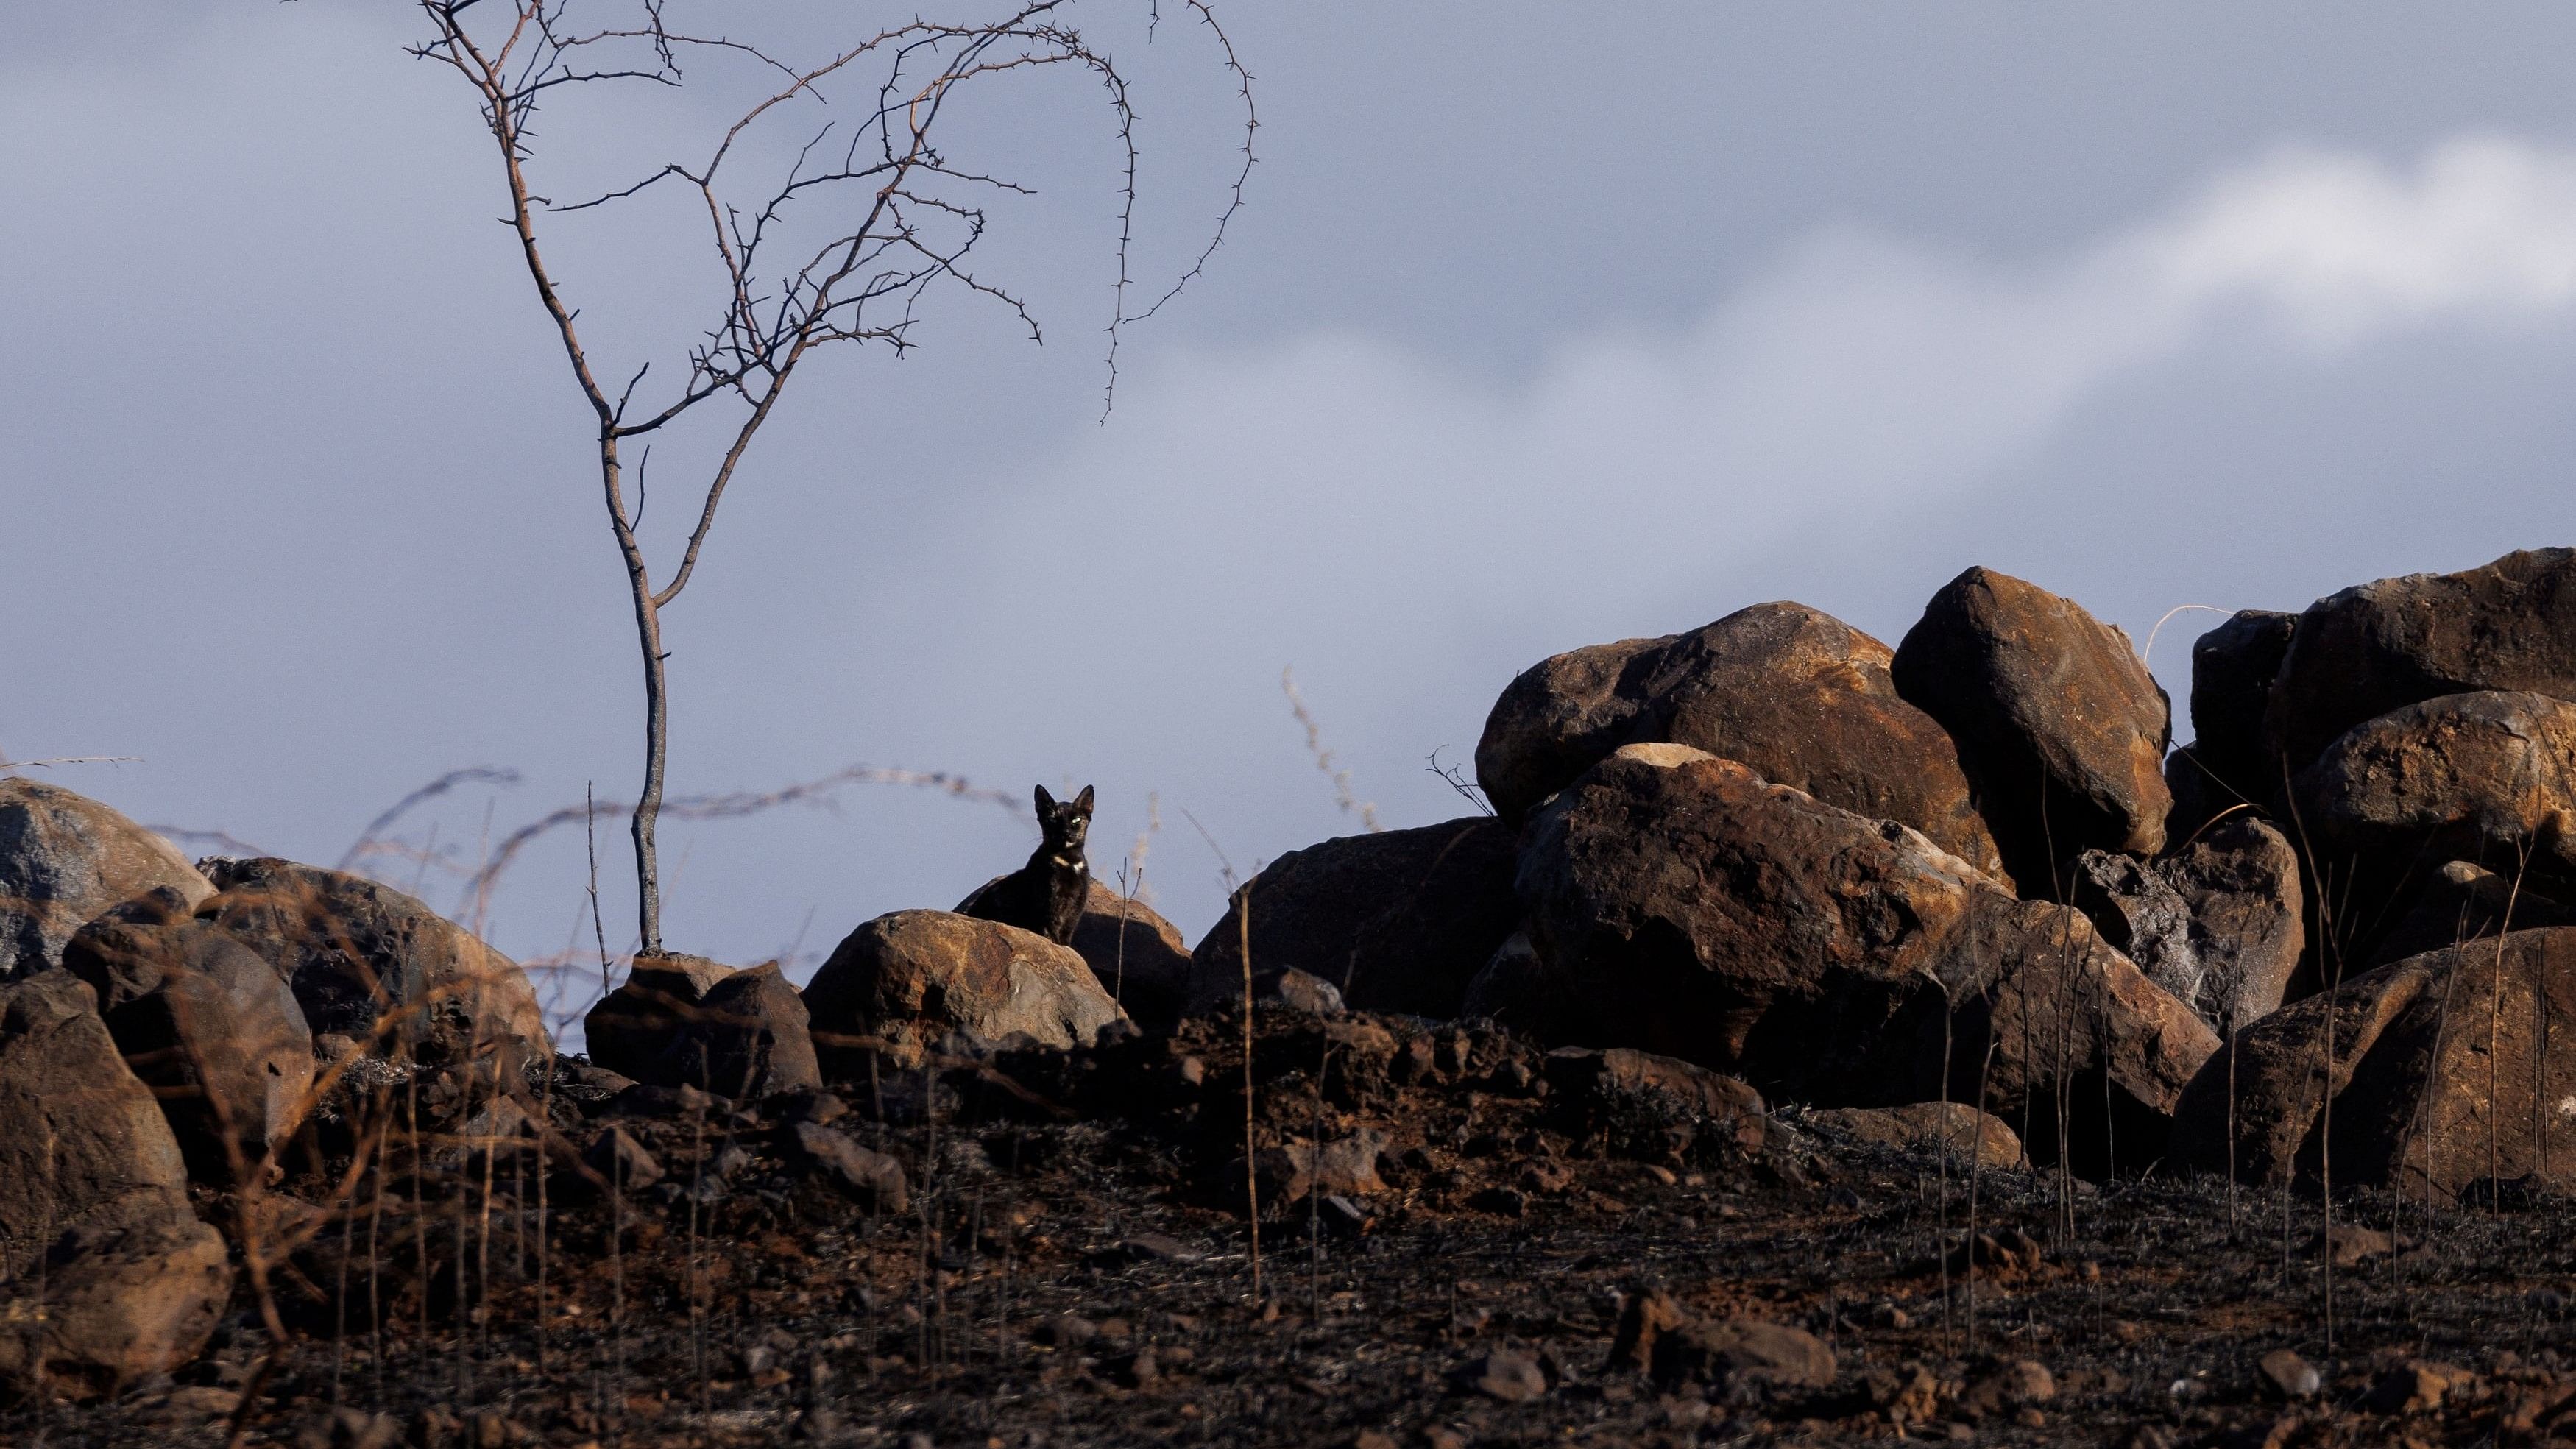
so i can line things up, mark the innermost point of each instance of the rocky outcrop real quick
(686, 1021)
(1685, 906)
(2059, 725)
(2358, 654)
(2445, 1070)
(205, 1023)
(1802, 698)
(901, 982)
(2232, 669)
(106, 1276)
(1397, 921)
(1142, 960)
(64, 859)
(2218, 924)
(372, 964)
(2487, 777)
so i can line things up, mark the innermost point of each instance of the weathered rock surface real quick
(1802, 698)
(206, 1024)
(2219, 924)
(2060, 727)
(1685, 906)
(2358, 654)
(1141, 959)
(1952, 1129)
(2487, 777)
(686, 1021)
(1397, 921)
(65, 858)
(909, 978)
(94, 1212)
(2232, 669)
(2240, 877)
(375, 965)
(2447, 1069)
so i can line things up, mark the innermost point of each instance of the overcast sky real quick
(1527, 336)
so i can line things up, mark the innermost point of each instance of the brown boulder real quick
(2061, 728)
(64, 859)
(686, 1021)
(1396, 921)
(106, 1276)
(910, 978)
(2488, 777)
(1802, 698)
(2358, 654)
(211, 1028)
(2446, 1070)
(1952, 1129)
(1141, 959)
(2232, 669)
(1685, 906)
(372, 964)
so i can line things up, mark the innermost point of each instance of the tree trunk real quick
(657, 739)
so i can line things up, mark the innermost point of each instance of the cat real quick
(1047, 894)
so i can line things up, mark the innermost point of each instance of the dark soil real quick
(1073, 1268)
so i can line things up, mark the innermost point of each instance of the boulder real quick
(1802, 698)
(106, 1276)
(2232, 669)
(65, 858)
(2488, 777)
(1141, 959)
(2446, 1069)
(1401, 920)
(205, 1023)
(2219, 923)
(2240, 877)
(1685, 906)
(2061, 728)
(686, 1021)
(2143, 917)
(903, 981)
(1953, 1129)
(2358, 654)
(372, 964)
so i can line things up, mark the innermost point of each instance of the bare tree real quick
(842, 246)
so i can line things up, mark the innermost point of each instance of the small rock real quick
(2288, 1375)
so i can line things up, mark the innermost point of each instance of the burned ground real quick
(1071, 1265)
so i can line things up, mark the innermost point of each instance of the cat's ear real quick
(1046, 802)
(1082, 802)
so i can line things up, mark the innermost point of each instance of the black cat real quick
(1046, 895)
